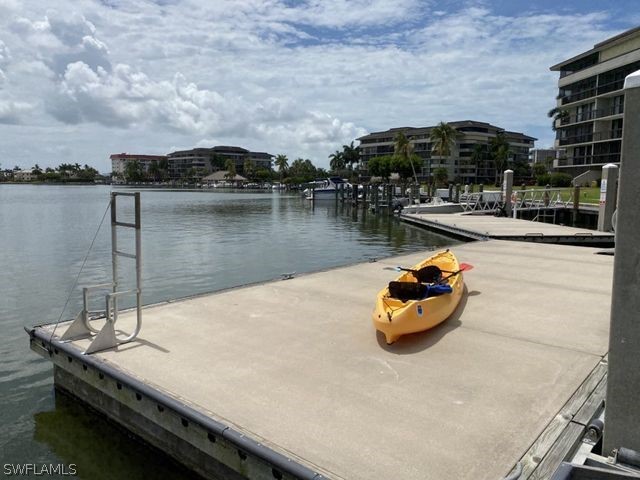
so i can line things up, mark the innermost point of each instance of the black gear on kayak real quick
(428, 274)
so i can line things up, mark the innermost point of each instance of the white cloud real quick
(13, 112)
(350, 13)
(5, 57)
(5, 54)
(70, 29)
(126, 97)
(294, 78)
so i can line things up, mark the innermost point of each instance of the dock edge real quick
(191, 433)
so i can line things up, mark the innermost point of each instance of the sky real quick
(82, 79)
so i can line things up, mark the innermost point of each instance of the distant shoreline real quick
(53, 183)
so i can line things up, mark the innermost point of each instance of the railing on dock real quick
(484, 202)
(541, 201)
(106, 337)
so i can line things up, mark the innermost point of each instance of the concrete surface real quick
(297, 365)
(504, 227)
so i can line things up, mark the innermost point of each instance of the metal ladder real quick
(105, 337)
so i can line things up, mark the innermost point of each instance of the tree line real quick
(65, 173)
(301, 170)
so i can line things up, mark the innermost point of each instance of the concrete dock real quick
(288, 379)
(484, 227)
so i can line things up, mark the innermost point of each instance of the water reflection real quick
(98, 449)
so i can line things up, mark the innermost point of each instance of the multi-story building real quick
(546, 156)
(590, 103)
(119, 162)
(197, 160)
(203, 160)
(462, 165)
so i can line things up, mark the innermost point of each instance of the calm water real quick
(193, 242)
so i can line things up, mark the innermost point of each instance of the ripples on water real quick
(193, 242)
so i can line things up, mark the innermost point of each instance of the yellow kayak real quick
(421, 298)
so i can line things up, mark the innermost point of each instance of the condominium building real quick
(590, 104)
(462, 165)
(119, 162)
(545, 155)
(202, 161)
(196, 160)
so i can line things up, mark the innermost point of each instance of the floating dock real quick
(484, 227)
(288, 379)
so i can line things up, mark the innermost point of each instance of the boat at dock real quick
(324, 189)
(435, 205)
(421, 298)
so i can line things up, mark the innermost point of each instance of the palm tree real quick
(350, 154)
(404, 149)
(336, 162)
(230, 167)
(248, 168)
(477, 156)
(154, 170)
(443, 136)
(558, 115)
(282, 162)
(499, 148)
(441, 176)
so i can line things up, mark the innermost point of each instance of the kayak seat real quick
(428, 274)
(405, 291)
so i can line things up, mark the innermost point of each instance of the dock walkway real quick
(289, 379)
(484, 227)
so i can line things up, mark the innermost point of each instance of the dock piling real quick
(623, 383)
(608, 191)
(507, 191)
(576, 204)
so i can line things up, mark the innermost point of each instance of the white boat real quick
(324, 189)
(435, 205)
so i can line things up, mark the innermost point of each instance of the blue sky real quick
(82, 79)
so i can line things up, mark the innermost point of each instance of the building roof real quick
(519, 135)
(220, 176)
(224, 148)
(194, 151)
(609, 42)
(220, 149)
(124, 156)
(471, 123)
(412, 131)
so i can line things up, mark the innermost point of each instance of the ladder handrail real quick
(106, 337)
(112, 298)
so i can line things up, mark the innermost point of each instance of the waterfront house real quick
(24, 175)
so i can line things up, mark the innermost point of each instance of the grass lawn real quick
(587, 194)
